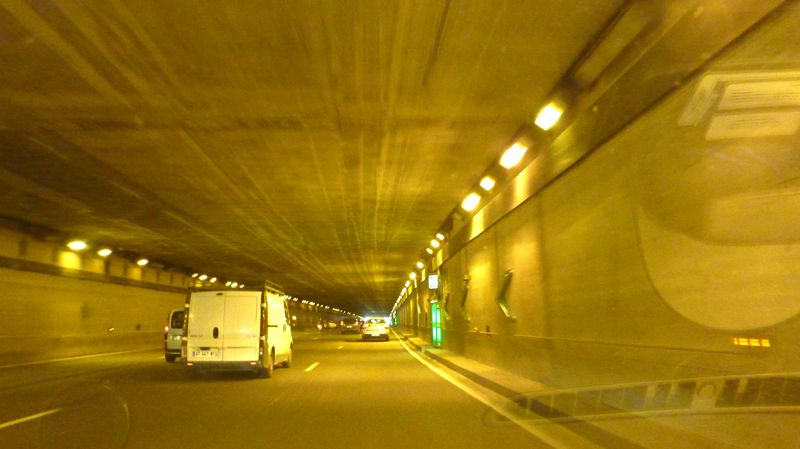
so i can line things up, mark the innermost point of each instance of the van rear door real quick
(242, 326)
(205, 326)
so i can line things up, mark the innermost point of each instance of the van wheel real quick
(170, 358)
(266, 372)
(288, 362)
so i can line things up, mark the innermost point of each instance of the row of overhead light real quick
(213, 280)
(320, 306)
(547, 117)
(102, 251)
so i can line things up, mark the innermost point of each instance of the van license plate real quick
(376, 335)
(204, 353)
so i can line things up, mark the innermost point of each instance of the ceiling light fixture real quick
(77, 245)
(487, 183)
(203, 277)
(412, 276)
(212, 280)
(435, 243)
(513, 155)
(142, 262)
(428, 250)
(420, 265)
(470, 202)
(548, 116)
(104, 252)
(194, 275)
(440, 236)
(234, 284)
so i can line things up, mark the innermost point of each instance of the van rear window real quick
(177, 320)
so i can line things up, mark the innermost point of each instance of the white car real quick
(375, 328)
(173, 335)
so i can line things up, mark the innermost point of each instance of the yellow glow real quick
(212, 280)
(765, 343)
(194, 275)
(203, 277)
(470, 202)
(428, 250)
(440, 236)
(487, 183)
(234, 284)
(435, 243)
(77, 245)
(420, 265)
(513, 155)
(736, 341)
(412, 275)
(142, 262)
(104, 252)
(241, 286)
(548, 116)
(754, 342)
(408, 283)
(228, 284)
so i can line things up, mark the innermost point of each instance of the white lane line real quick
(78, 357)
(495, 401)
(340, 347)
(29, 418)
(312, 366)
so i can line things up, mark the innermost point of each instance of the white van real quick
(237, 329)
(173, 335)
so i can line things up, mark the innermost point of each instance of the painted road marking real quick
(312, 366)
(559, 440)
(29, 418)
(78, 357)
(340, 347)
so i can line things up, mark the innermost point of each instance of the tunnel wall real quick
(59, 303)
(652, 257)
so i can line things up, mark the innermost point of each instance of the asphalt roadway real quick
(339, 393)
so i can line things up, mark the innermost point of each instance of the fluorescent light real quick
(212, 280)
(142, 262)
(203, 277)
(487, 183)
(420, 265)
(234, 284)
(440, 236)
(428, 250)
(471, 201)
(548, 116)
(104, 252)
(408, 283)
(513, 155)
(77, 245)
(241, 286)
(435, 243)
(228, 284)
(412, 276)
(194, 275)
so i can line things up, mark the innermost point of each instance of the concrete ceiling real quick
(315, 144)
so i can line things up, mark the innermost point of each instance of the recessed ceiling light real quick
(471, 201)
(420, 265)
(234, 284)
(212, 280)
(77, 245)
(194, 275)
(428, 250)
(104, 252)
(487, 183)
(548, 116)
(440, 236)
(142, 262)
(435, 243)
(513, 155)
(412, 276)
(203, 277)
